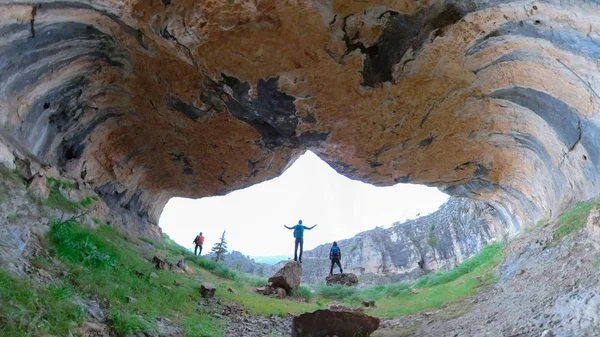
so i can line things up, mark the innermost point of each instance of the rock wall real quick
(405, 251)
(494, 100)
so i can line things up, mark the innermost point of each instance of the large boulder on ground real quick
(160, 263)
(287, 277)
(207, 290)
(182, 264)
(345, 279)
(340, 323)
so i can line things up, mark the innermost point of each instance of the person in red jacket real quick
(198, 241)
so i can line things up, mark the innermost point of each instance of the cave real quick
(490, 100)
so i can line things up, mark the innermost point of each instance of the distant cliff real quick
(441, 240)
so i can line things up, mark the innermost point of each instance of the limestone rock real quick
(207, 290)
(288, 277)
(322, 323)
(407, 250)
(270, 290)
(347, 279)
(7, 159)
(153, 275)
(161, 264)
(547, 333)
(182, 264)
(488, 100)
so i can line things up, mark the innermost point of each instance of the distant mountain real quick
(270, 260)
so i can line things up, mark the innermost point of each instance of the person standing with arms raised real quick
(299, 236)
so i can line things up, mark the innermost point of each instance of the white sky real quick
(309, 190)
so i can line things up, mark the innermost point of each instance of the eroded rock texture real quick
(407, 250)
(494, 100)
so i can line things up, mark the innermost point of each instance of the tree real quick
(220, 249)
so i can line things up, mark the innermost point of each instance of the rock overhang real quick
(490, 100)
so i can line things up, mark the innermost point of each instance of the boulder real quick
(270, 290)
(160, 264)
(340, 323)
(368, 303)
(345, 279)
(182, 264)
(287, 277)
(38, 188)
(207, 290)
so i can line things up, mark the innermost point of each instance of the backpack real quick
(335, 251)
(299, 231)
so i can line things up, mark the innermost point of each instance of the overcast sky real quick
(309, 190)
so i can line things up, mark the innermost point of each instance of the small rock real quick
(368, 303)
(161, 264)
(348, 279)
(177, 283)
(182, 264)
(547, 333)
(207, 290)
(520, 272)
(131, 300)
(38, 187)
(153, 275)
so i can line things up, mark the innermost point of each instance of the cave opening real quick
(310, 190)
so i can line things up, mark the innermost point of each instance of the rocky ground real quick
(543, 285)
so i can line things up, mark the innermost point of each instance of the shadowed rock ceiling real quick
(144, 100)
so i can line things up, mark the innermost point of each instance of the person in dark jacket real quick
(299, 236)
(198, 241)
(335, 255)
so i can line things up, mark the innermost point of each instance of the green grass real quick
(303, 292)
(12, 218)
(56, 199)
(28, 310)
(88, 201)
(538, 224)
(573, 219)
(428, 292)
(103, 265)
(487, 254)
